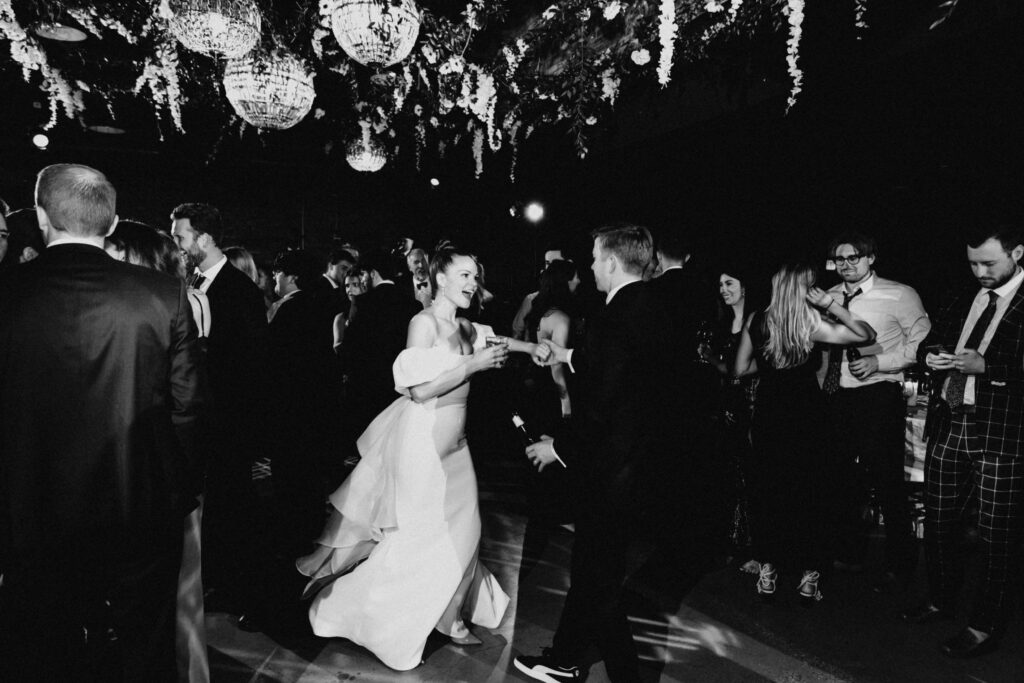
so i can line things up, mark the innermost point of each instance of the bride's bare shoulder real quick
(422, 330)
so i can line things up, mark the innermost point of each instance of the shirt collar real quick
(665, 270)
(91, 241)
(334, 285)
(1009, 287)
(615, 290)
(211, 273)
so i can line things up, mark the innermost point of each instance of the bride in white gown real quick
(398, 556)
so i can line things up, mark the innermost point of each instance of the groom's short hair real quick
(632, 244)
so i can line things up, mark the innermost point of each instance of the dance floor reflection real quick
(709, 627)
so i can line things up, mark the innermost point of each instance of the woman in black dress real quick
(789, 480)
(736, 401)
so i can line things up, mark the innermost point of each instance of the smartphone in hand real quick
(939, 349)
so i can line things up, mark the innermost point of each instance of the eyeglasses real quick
(852, 259)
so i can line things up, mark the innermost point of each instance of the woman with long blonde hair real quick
(789, 481)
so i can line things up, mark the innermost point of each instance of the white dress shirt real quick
(895, 312)
(210, 274)
(91, 241)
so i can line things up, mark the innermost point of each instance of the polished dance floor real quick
(707, 627)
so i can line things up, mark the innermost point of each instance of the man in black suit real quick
(99, 391)
(303, 383)
(330, 286)
(237, 363)
(618, 367)
(372, 342)
(687, 481)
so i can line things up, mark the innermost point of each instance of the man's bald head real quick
(76, 200)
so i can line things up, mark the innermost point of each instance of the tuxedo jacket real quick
(618, 368)
(302, 368)
(999, 391)
(686, 303)
(334, 297)
(99, 394)
(237, 354)
(374, 338)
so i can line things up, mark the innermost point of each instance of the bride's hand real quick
(490, 357)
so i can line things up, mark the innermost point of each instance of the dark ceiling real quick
(906, 133)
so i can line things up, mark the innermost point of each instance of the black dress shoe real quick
(969, 643)
(925, 613)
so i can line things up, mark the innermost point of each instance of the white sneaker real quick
(766, 579)
(542, 668)
(809, 587)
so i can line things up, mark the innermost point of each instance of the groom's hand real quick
(541, 453)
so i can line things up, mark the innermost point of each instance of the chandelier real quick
(366, 153)
(269, 91)
(374, 32)
(228, 28)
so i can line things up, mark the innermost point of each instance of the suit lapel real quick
(1011, 316)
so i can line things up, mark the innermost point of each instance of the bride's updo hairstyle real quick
(443, 260)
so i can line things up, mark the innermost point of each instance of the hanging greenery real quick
(489, 72)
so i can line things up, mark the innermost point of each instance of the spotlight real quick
(40, 141)
(435, 182)
(533, 212)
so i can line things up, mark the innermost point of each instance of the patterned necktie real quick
(958, 380)
(835, 356)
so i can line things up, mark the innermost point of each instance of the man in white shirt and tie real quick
(867, 410)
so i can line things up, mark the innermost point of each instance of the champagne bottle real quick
(524, 432)
(527, 436)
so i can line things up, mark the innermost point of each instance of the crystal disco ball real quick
(375, 32)
(228, 28)
(366, 154)
(269, 91)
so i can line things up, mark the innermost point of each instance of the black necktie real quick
(197, 281)
(957, 379)
(835, 356)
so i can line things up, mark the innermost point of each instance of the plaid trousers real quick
(959, 474)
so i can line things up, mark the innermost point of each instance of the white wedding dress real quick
(399, 553)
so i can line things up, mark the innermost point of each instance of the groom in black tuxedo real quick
(233, 433)
(99, 392)
(618, 367)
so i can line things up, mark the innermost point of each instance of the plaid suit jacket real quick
(999, 391)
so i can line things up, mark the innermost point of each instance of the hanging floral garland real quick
(795, 15)
(478, 71)
(667, 31)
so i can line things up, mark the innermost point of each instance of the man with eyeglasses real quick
(867, 409)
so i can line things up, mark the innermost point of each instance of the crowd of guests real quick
(765, 419)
